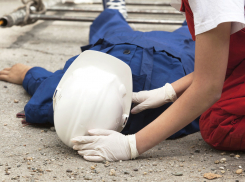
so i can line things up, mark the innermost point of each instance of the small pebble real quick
(145, 173)
(126, 172)
(5, 86)
(177, 174)
(87, 177)
(216, 162)
(232, 155)
(14, 178)
(154, 164)
(16, 101)
(239, 171)
(107, 164)
(197, 151)
(5, 125)
(240, 167)
(223, 160)
(69, 171)
(52, 128)
(222, 168)
(49, 170)
(223, 153)
(112, 172)
(92, 167)
(222, 171)
(211, 176)
(135, 169)
(237, 156)
(7, 173)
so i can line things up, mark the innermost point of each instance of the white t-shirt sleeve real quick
(208, 14)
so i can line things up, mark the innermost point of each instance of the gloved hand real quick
(106, 145)
(153, 98)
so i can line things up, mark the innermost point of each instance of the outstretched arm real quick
(211, 60)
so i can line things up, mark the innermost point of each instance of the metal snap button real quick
(127, 52)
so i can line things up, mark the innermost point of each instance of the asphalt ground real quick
(35, 153)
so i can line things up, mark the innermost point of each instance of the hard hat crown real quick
(90, 97)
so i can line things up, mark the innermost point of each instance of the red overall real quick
(223, 125)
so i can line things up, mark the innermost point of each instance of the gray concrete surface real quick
(32, 153)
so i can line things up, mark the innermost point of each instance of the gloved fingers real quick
(83, 139)
(139, 108)
(79, 147)
(91, 155)
(89, 152)
(101, 132)
(93, 158)
(136, 97)
(139, 97)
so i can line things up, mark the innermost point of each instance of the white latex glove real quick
(106, 145)
(153, 98)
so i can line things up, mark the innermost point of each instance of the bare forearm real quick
(180, 114)
(182, 84)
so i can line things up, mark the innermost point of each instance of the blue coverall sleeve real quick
(34, 77)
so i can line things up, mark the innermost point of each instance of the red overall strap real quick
(185, 7)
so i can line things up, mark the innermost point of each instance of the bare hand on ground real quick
(15, 74)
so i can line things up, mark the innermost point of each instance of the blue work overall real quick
(155, 58)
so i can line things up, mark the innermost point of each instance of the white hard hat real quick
(95, 92)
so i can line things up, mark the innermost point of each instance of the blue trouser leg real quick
(106, 23)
